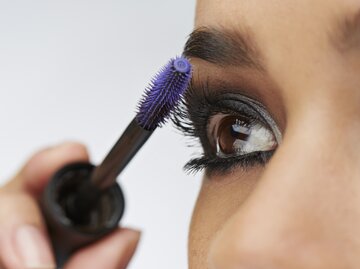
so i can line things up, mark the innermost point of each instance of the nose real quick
(304, 210)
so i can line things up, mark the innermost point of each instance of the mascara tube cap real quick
(66, 233)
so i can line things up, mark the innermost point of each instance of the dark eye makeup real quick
(234, 130)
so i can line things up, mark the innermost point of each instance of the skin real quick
(299, 211)
(302, 210)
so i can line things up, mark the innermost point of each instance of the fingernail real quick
(33, 248)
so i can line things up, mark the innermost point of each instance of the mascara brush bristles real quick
(163, 93)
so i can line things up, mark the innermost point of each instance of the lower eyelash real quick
(221, 166)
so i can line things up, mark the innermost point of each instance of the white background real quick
(74, 70)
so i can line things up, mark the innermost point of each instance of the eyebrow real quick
(223, 47)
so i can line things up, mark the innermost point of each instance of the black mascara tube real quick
(83, 203)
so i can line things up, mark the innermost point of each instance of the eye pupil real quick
(233, 133)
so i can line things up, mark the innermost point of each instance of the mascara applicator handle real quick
(68, 234)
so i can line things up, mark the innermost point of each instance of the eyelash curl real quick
(192, 117)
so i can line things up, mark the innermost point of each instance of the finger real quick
(23, 239)
(36, 173)
(112, 252)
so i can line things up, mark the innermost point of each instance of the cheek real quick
(219, 198)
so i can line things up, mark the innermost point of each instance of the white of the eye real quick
(260, 139)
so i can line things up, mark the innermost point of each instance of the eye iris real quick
(232, 134)
(239, 135)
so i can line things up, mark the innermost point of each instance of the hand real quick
(24, 242)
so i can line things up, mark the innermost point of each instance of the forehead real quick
(238, 12)
(295, 38)
(275, 20)
(285, 22)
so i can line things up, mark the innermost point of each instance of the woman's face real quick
(280, 78)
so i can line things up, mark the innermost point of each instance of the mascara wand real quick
(160, 98)
(83, 203)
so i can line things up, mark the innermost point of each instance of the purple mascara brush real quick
(83, 203)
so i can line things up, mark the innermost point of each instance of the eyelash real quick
(216, 165)
(192, 118)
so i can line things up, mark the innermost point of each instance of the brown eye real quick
(239, 135)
